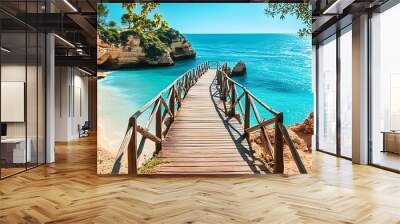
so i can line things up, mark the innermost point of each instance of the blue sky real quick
(217, 18)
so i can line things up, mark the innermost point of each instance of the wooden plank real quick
(146, 134)
(172, 103)
(278, 150)
(166, 107)
(239, 98)
(208, 169)
(158, 126)
(262, 124)
(293, 149)
(247, 113)
(132, 146)
(204, 140)
(153, 113)
(205, 159)
(233, 99)
(272, 111)
(263, 129)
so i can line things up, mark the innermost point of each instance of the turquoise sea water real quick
(278, 73)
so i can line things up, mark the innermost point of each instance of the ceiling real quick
(72, 20)
(331, 15)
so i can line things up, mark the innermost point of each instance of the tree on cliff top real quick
(126, 18)
(147, 28)
(112, 24)
(140, 22)
(302, 11)
(102, 13)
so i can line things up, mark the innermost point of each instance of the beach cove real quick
(278, 72)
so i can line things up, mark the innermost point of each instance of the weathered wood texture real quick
(70, 191)
(204, 140)
(174, 92)
(227, 89)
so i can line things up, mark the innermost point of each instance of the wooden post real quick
(278, 149)
(187, 83)
(233, 99)
(247, 112)
(172, 103)
(218, 78)
(178, 97)
(224, 88)
(158, 126)
(221, 84)
(132, 146)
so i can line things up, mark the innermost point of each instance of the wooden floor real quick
(386, 159)
(203, 140)
(69, 191)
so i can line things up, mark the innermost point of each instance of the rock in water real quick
(181, 49)
(239, 69)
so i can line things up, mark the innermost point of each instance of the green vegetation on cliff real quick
(153, 31)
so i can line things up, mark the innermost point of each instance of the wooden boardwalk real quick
(203, 140)
(202, 127)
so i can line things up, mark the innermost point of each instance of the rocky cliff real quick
(301, 135)
(133, 54)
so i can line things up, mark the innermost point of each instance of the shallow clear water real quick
(278, 73)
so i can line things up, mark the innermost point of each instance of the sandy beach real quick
(110, 128)
(114, 112)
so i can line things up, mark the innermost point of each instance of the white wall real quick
(33, 127)
(80, 110)
(71, 102)
(62, 82)
(17, 73)
(12, 73)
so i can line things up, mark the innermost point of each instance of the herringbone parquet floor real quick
(69, 191)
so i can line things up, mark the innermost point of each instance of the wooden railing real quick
(163, 112)
(231, 100)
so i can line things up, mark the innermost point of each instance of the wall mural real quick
(204, 88)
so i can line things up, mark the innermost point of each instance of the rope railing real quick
(163, 113)
(229, 95)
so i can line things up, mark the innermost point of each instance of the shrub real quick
(155, 44)
(166, 36)
(125, 34)
(152, 45)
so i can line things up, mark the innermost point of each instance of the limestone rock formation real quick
(181, 49)
(239, 69)
(132, 54)
(305, 130)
